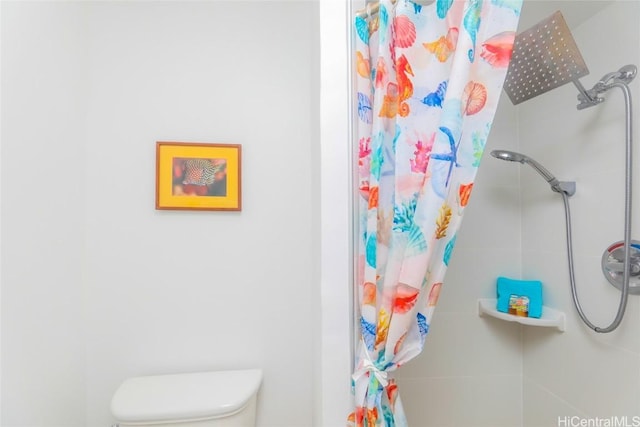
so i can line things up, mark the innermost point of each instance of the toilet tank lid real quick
(184, 396)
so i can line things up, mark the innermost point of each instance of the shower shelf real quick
(550, 317)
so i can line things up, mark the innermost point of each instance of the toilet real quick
(200, 399)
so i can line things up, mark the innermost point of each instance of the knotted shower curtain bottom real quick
(428, 83)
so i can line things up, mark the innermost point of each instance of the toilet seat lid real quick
(184, 396)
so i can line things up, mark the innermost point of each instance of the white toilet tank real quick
(201, 399)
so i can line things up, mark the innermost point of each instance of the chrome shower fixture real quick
(591, 97)
(544, 57)
(566, 187)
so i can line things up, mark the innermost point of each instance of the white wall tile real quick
(580, 368)
(490, 221)
(472, 274)
(476, 401)
(543, 409)
(429, 402)
(590, 375)
(467, 345)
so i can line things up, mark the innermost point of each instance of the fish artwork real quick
(200, 172)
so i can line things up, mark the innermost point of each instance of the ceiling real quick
(575, 12)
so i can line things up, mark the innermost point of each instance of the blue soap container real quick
(519, 297)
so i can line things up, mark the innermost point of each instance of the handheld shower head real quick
(557, 186)
(510, 156)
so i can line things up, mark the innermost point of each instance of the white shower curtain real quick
(428, 83)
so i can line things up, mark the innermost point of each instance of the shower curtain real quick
(429, 78)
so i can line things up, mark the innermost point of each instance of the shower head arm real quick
(587, 98)
(622, 77)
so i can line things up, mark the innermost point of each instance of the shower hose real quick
(627, 224)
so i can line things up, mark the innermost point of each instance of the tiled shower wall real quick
(580, 373)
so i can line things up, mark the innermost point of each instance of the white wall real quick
(88, 92)
(43, 182)
(334, 358)
(580, 372)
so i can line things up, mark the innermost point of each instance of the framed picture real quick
(198, 176)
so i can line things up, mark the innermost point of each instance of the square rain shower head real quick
(544, 57)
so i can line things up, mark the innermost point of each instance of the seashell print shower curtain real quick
(429, 78)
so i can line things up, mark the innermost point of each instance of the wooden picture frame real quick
(198, 176)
